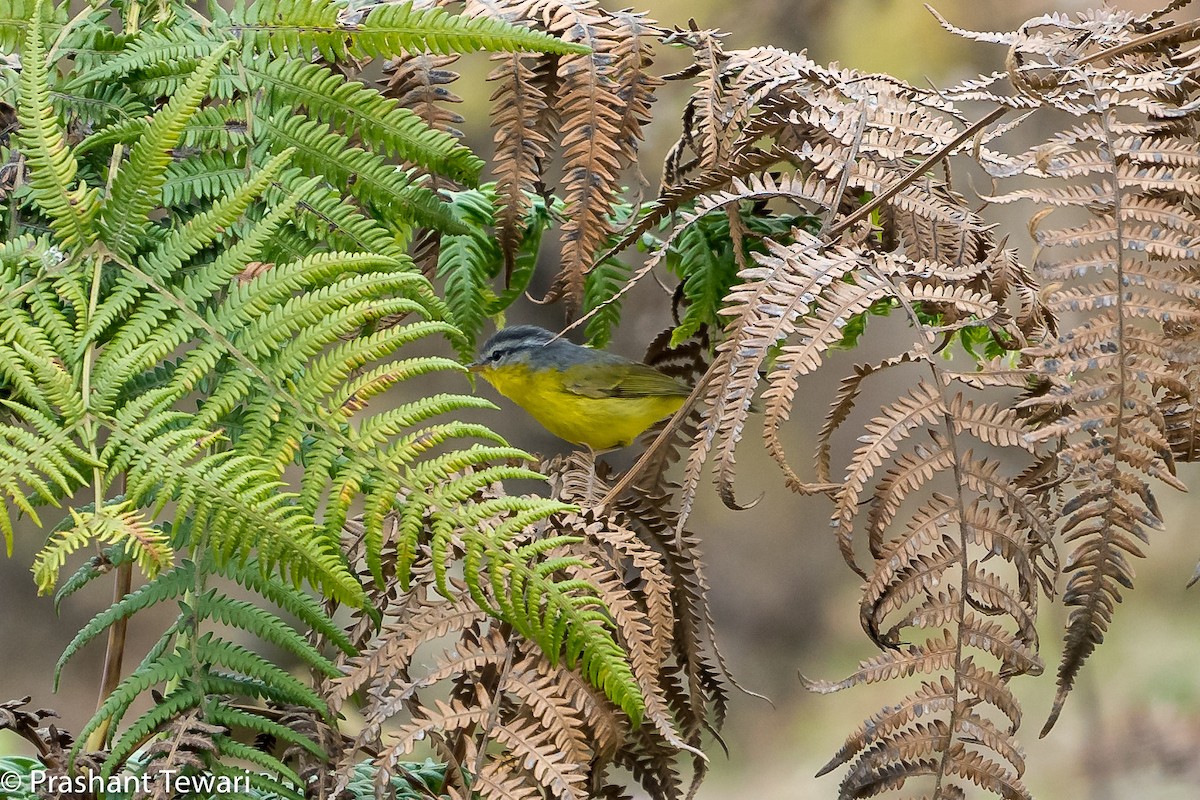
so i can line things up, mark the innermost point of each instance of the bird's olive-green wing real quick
(629, 379)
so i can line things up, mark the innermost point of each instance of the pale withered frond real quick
(1116, 237)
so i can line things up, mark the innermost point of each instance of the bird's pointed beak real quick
(475, 367)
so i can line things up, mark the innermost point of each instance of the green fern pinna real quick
(195, 322)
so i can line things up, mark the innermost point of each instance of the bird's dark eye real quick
(494, 356)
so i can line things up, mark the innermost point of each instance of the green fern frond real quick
(217, 652)
(378, 429)
(467, 264)
(227, 684)
(235, 502)
(122, 131)
(299, 604)
(235, 718)
(136, 187)
(564, 618)
(218, 127)
(280, 26)
(600, 290)
(332, 222)
(16, 17)
(173, 667)
(173, 583)
(331, 377)
(31, 466)
(263, 624)
(393, 29)
(385, 188)
(707, 275)
(147, 49)
(115, 523)
(92, 41)
(184, 667)
(95, 567)
(99, 105)
(174, 704)
(70, 203)
(380, 122)
(204, 177)
(268, 765)
(167, 259)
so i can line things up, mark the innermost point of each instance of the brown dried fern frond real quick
(36, 727)
(843, 136)
(420, 82)
(590, 108)
(929, 601)
(520, 112)
(1116, 237)
(189, 745)
(501, 692)
(687, 689)
(601, 113)
(524, 122)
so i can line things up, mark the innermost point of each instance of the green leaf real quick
(380, 122)
(280, 26)
(69, 202)
(137, 185)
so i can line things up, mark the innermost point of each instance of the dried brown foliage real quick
(36, 728)
(420, 82)
(188, 741)
(960, 533)
(1116, 245)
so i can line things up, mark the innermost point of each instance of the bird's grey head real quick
(513, 345)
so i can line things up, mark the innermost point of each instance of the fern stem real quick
(114, 654)
(114, 650)
(922, 345)
(1075, 655)
(964, 579)
(14, 205)
(497, 693)
(916, 172)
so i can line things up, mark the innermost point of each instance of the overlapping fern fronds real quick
(517, 722)
(347, 129)
(587, 102)
(208, 286)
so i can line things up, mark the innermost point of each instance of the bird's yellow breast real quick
(601, 423)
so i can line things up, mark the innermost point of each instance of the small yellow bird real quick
(587, 397)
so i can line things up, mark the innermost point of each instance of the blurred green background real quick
(783, 599)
